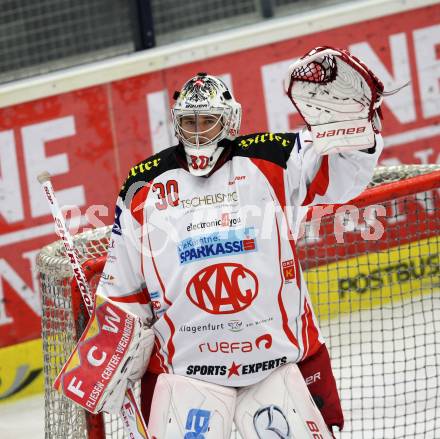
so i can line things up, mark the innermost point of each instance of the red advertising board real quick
(89, 138)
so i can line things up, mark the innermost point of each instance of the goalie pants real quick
(317, 373)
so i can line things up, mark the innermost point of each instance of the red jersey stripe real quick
(138, 297)
(320, 183)
(286, 328)
(312, 333)
(275, 176)
(170, 344)
(137, 204)
(157, 362)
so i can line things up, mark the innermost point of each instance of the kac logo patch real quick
(223, 288)
(289, 270)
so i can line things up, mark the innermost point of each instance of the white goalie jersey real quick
(212, 261)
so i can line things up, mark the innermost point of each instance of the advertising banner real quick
(21, 370)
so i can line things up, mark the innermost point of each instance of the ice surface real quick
(23, 419)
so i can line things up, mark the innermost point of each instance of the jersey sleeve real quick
(330, 179)
(122, 279)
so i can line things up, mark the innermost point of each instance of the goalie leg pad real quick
(191, 409)
(280, 406)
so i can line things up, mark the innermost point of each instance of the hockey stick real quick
(133, 421)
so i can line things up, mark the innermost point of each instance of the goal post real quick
(373, 273)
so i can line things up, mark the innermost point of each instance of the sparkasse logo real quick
(217, 244)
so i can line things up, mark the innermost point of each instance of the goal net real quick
(372, 269)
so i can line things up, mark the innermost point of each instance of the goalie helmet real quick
(205, 112)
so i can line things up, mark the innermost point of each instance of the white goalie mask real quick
(205, 112)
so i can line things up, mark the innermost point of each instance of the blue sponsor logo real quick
(217, 244)
(197, 424)
(155, 295)
(117, 224)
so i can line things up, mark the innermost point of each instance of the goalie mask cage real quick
(372, 270)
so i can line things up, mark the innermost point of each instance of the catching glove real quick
(338, 97)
